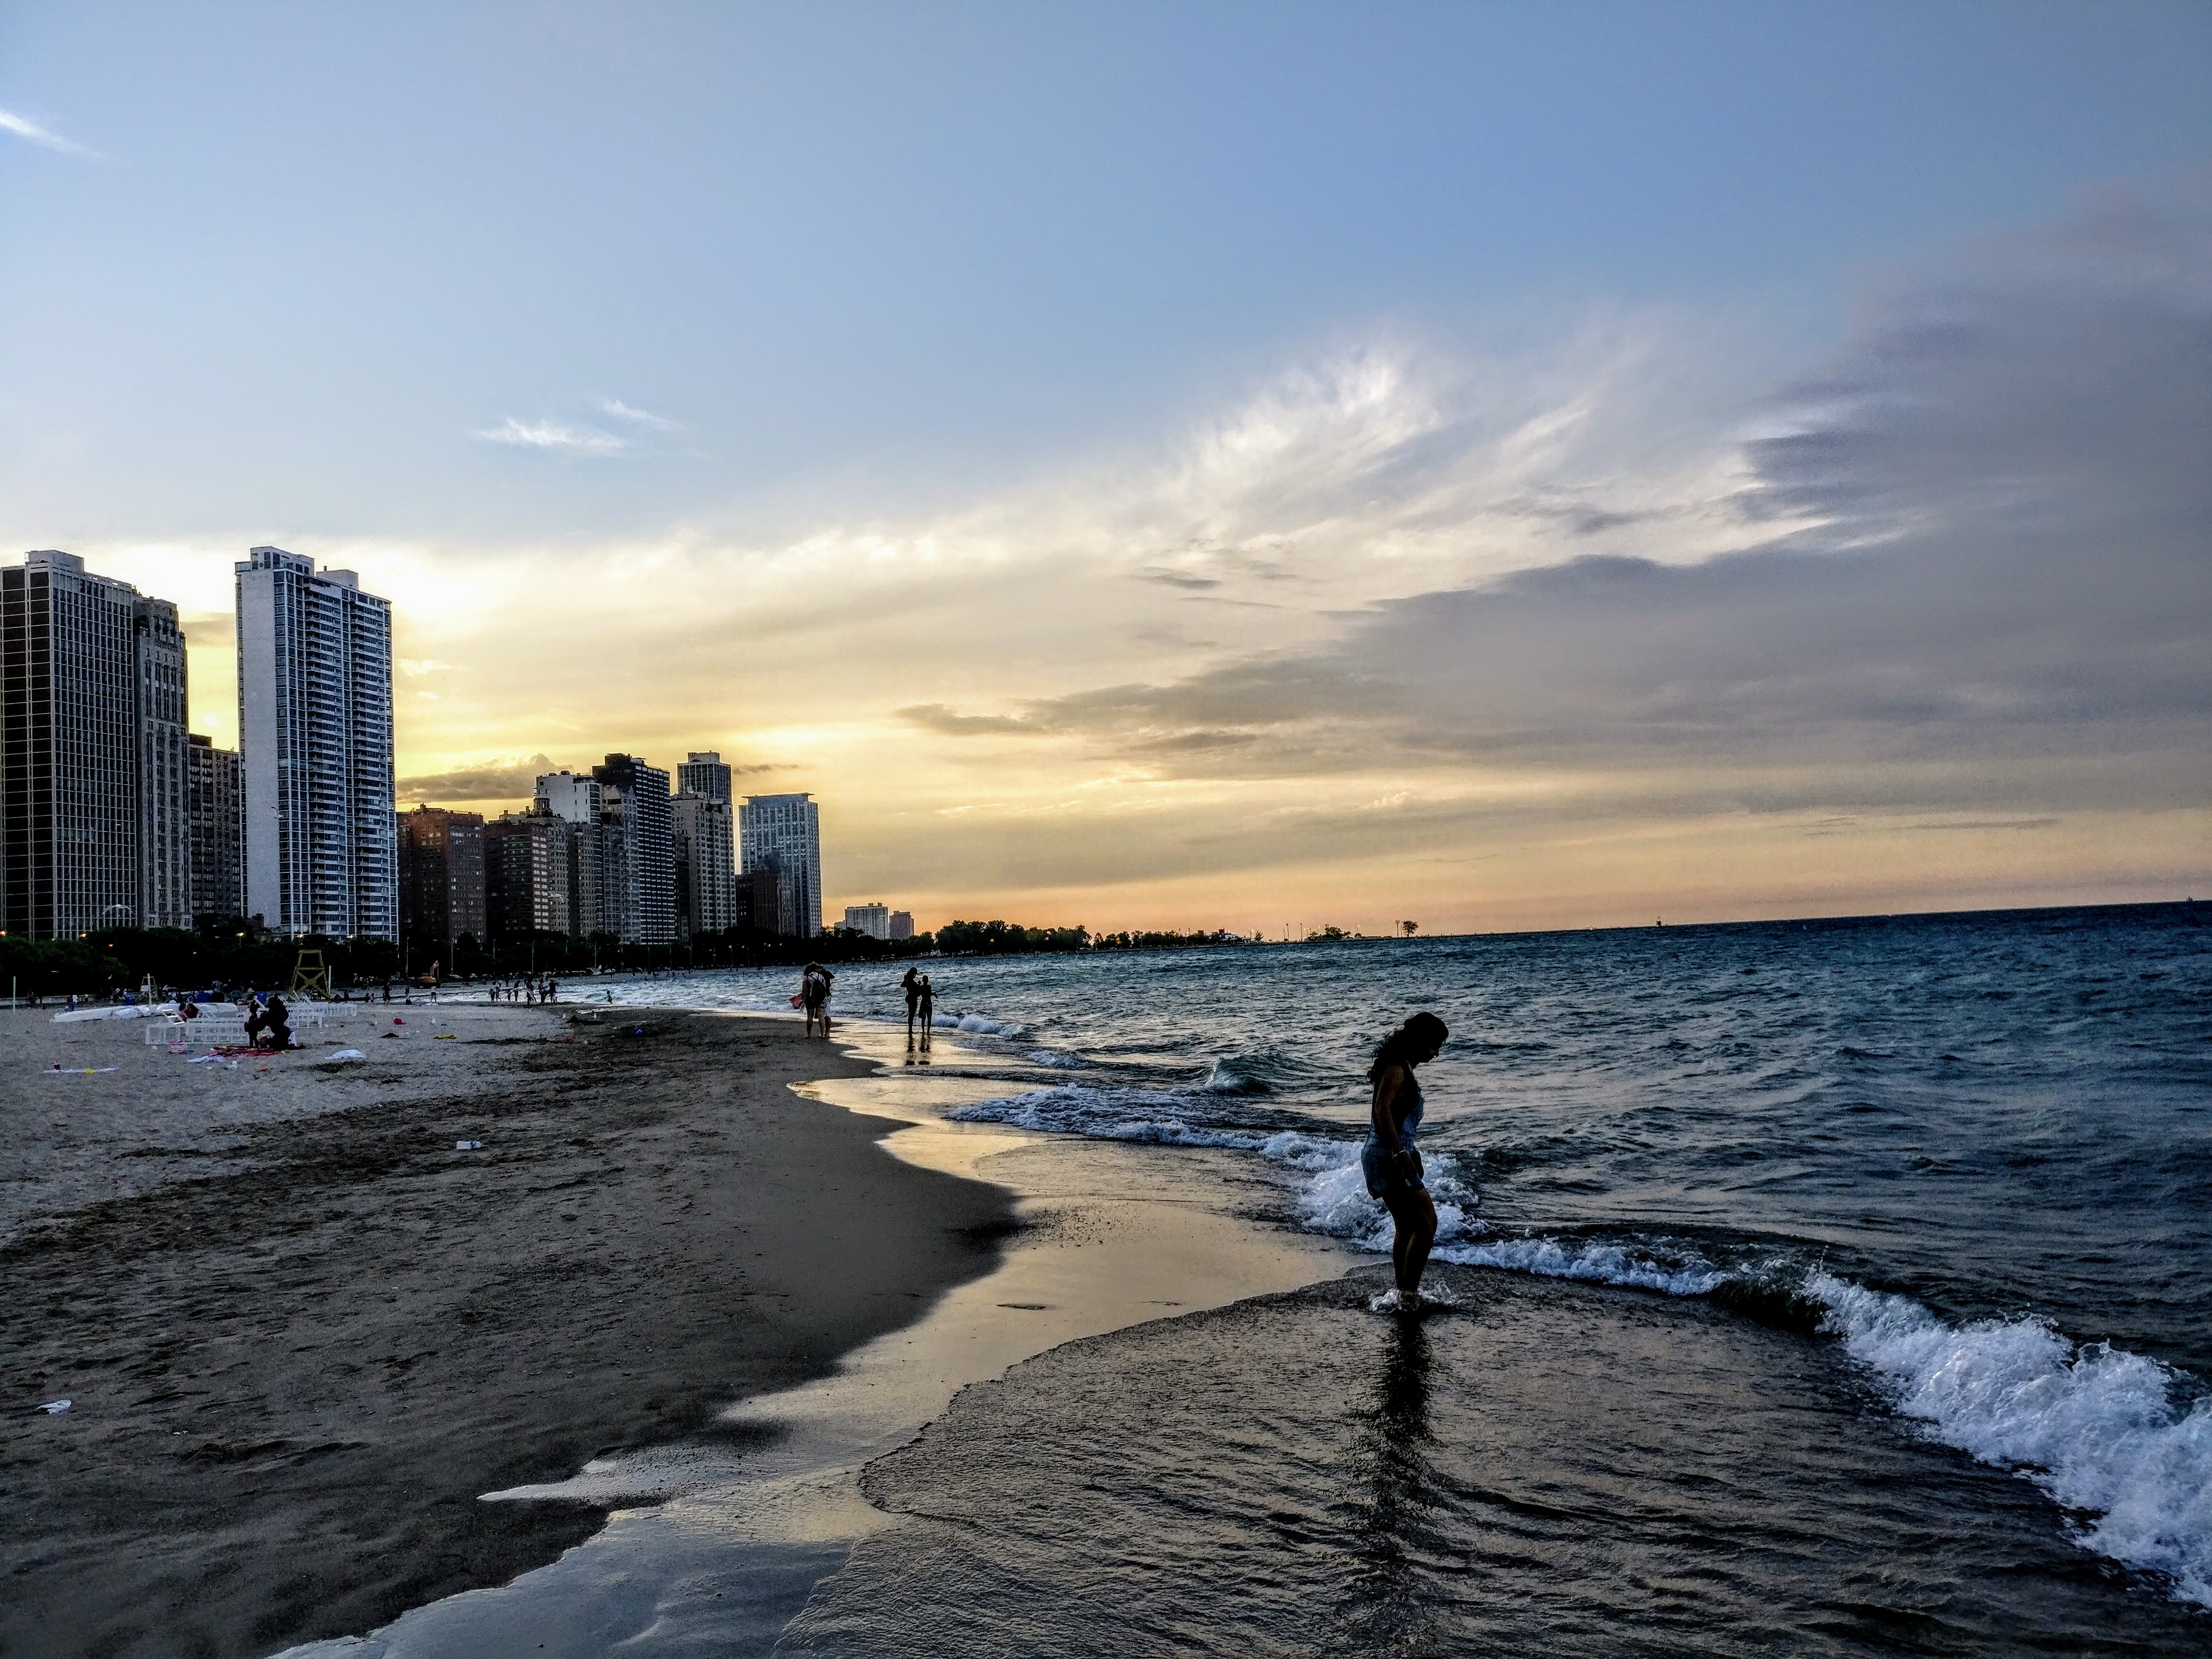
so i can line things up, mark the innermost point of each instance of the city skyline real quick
(1497, 466)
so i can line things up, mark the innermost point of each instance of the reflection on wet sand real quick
(1396, 1528)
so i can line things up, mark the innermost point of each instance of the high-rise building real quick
(703, 835)
(95, 792)
(314, 723)
(441, 876)
(873, 919)
(757, 902)
(218, 837)
(634, 797)
(783, 833)
(902, 925)
(599, 878)
(704, 774)
(528, 875)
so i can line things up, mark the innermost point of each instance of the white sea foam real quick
(1592, 1263)
(981, 1025)
(2094, 1426)
(1104, 1115)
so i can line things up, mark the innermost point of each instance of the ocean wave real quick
(2098, 1428)
(1260, 1072)
(977, 1024)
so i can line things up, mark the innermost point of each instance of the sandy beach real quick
(303, 1333)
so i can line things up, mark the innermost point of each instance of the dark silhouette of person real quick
(814, 994)
(276, 1025)
(911, 984)
(1390, 1160)
(925, 1005)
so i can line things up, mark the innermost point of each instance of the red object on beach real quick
(396, 1020)
(799, 1001)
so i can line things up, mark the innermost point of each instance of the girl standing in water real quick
(1390, 1160)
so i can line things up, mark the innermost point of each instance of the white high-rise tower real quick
(315, 724)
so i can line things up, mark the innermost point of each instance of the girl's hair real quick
(1420, 1033)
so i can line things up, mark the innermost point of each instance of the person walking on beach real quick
(1390, 1160)
(925, 1005)
(814, 996)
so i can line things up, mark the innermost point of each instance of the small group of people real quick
(814, 983)
(532, 991)
(268, 1022)
(920, 1006)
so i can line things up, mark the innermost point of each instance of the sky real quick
(1262, 466)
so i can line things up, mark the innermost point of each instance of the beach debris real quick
(211, 1058)
(348, 1053)
(58, 1070)
(388, 1034)
(468, 1145)
(445, 1037)
(56, 1407)
(396, 1020)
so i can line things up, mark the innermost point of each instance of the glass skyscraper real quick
(783, 833)
(95, 787)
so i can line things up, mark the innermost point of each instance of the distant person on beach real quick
(925, 1004)
(814, 995)
(911, 984)
(1390, 1160)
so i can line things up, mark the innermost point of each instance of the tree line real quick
(1010, 938)
(235, 951)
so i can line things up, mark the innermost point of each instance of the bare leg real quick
(1414, 1218)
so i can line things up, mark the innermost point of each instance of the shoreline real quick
(716, 1543)
(303, 1333)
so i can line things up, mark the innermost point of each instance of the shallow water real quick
(1964, 1162)
(1547, 1469)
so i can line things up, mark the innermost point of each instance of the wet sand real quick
(303, 1333)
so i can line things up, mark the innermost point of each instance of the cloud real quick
(1994, 574)
(416, 667)
(638, 417)
(23, 127)
(551, 434)
(940, 718)
(497, 781)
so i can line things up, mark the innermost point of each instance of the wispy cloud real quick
(551, 434)
(639, 417)
(583, 437)
(25, 128)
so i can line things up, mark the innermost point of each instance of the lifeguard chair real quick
(310, 977)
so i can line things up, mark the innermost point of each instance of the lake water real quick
(1855, 1297)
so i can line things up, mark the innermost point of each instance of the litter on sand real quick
(212, 1060)
(348, 1053)
(58, 1070)
(468, 1145)
(445, 1037)
(55, 1408)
